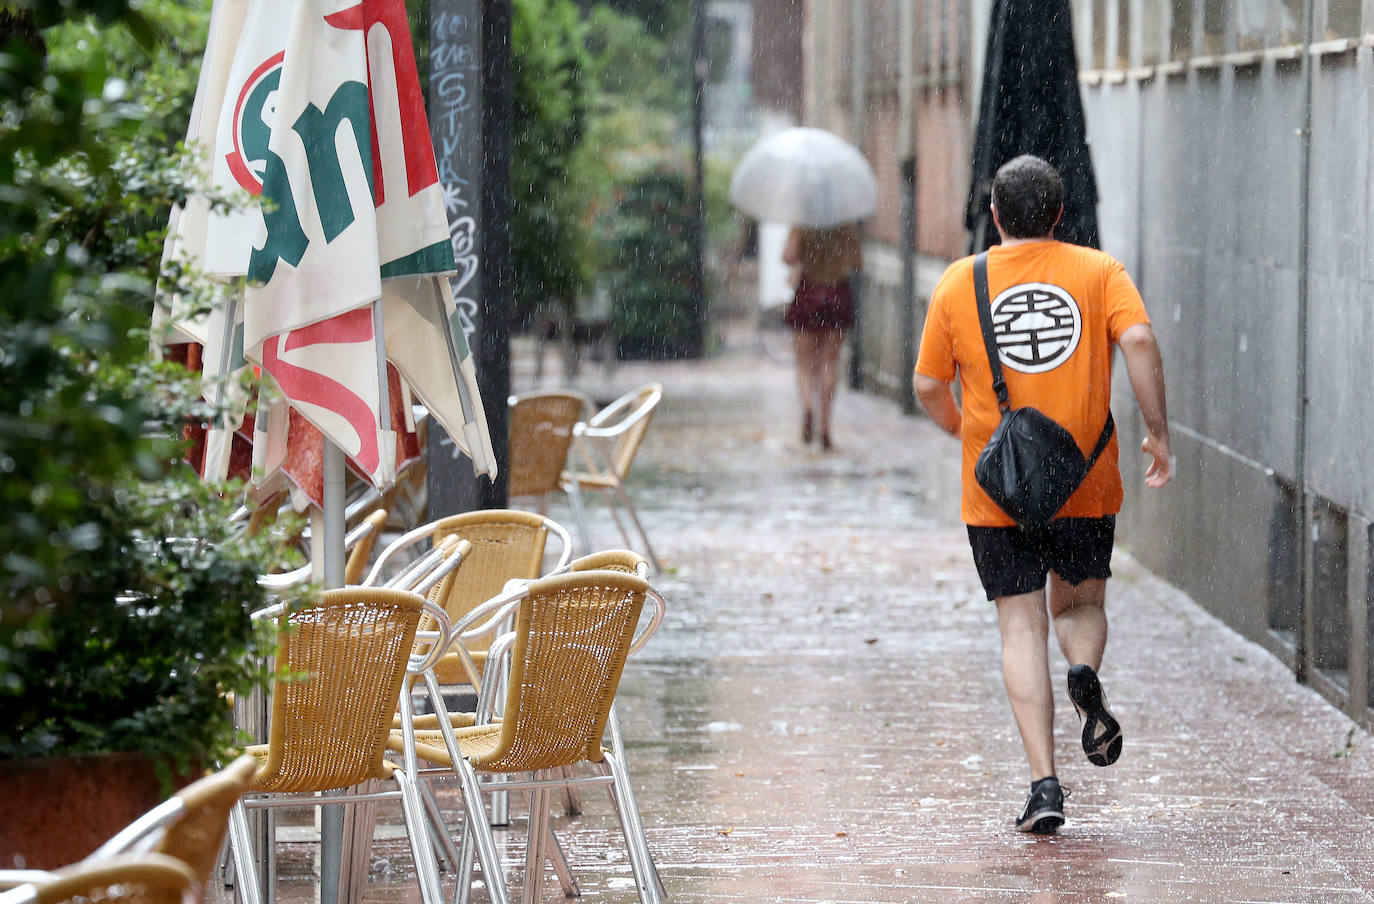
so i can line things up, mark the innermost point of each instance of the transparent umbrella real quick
(804, 177)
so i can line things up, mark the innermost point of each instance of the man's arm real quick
(938, 401)
(1145, 367)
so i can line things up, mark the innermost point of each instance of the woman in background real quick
(822, 261)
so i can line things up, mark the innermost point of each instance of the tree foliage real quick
(548, 69)
(126, 592)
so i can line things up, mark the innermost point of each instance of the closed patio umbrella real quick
(338, 273)
(1031, 105)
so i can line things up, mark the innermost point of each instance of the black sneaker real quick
(1044, 812)
(1101, 731)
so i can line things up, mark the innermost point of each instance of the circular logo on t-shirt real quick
(1037, 327)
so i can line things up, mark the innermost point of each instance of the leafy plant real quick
(547, 62)
(126, 592)
(650, 276)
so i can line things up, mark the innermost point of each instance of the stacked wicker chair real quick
(572, 635)
(329, 729)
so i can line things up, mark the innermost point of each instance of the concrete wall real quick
(1201, 176)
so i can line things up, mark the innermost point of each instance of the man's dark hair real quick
(1028, 195)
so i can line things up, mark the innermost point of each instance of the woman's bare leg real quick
(829, 343)
(807, 356)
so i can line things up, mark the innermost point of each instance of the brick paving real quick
(821, 717)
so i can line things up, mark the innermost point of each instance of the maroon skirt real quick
(817, 306)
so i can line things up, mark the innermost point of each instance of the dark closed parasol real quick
(1031, 105)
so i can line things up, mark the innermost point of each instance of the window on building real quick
(1214, 14)
(1082, 32)
(1180, 29)
(1099, 32)
(1154, 23)
(1123, 34)
(946, 38)
(1270, 23)
(1343, 19)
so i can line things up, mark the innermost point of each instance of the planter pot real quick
(55, 811)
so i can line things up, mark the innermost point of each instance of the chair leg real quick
(479, 825)
(241, 847)
(634, 516)
(464, 887)
(571, 798)
(534, 846)
(444, 849)
(615, 516)
(579, 515)
(623, 792)
(421, 846)
(647, 880)
(554, 851)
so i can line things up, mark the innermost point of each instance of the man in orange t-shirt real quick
(1057, 311)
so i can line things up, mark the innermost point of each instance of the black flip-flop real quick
(1101, 731)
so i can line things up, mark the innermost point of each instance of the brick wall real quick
(777, 56)
(944, 149)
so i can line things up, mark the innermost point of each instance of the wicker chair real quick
(506, 544)
(541, 432)
(329, 731)
(358, 543)
(608, 443)
(190, 825)
(626, 560)
(572, 635)
(125, 879)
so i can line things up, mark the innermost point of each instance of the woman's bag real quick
(1031, 465)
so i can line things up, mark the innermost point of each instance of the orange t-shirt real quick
(1057, 311)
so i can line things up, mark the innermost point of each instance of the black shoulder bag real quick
(1031, 465)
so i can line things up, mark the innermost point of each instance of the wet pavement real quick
(821, 717)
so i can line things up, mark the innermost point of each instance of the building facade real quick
(1231, 141)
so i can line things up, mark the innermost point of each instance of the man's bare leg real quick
(1024, 624)
(1080, 620)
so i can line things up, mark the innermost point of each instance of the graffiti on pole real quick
(455, 118)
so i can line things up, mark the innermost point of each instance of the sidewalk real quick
(822, 718)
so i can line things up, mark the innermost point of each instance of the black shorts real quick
(1012, 561)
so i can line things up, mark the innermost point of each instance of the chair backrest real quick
(626, 420)
(365, 538)
(341, 661)
(195, 839)
(506, 544)
(541, 430)
(625, 560)
(191, 825)
(142, 879)
(572, 635)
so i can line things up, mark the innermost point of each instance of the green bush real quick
(650, 274)
(125, 590)
(548, 248)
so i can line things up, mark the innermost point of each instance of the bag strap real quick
(980, 291)
(999, 382)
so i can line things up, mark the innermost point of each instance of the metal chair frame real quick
(148, 878)
(621, 426)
